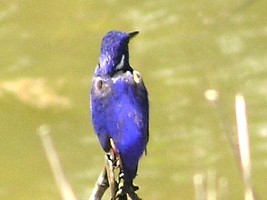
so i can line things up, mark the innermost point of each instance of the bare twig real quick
(244, 150)
(111, 177)
(200, 193)
(208, 187)
(61, 181)
(241, 151)
(101, 186)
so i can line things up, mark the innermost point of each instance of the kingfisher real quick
(119, 104)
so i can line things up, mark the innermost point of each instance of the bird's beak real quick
(132, 34)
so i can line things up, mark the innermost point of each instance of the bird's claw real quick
(125, 189)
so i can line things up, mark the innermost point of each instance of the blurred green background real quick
(47, 57)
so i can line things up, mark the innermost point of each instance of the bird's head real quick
(114, 54)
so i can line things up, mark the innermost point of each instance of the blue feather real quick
(119, 103)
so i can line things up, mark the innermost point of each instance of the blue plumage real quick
(119, 103)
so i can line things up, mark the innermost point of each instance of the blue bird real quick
(119, 104)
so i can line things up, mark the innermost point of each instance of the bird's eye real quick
(137, 76)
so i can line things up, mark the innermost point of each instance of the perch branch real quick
(107, 178)
(101, 186)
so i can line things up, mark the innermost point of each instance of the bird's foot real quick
(126, 190)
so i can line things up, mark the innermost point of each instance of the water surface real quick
(48, 53)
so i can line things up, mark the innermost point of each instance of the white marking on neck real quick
(122, 77)
(121, 64)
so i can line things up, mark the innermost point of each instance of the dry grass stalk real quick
(61, 181)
